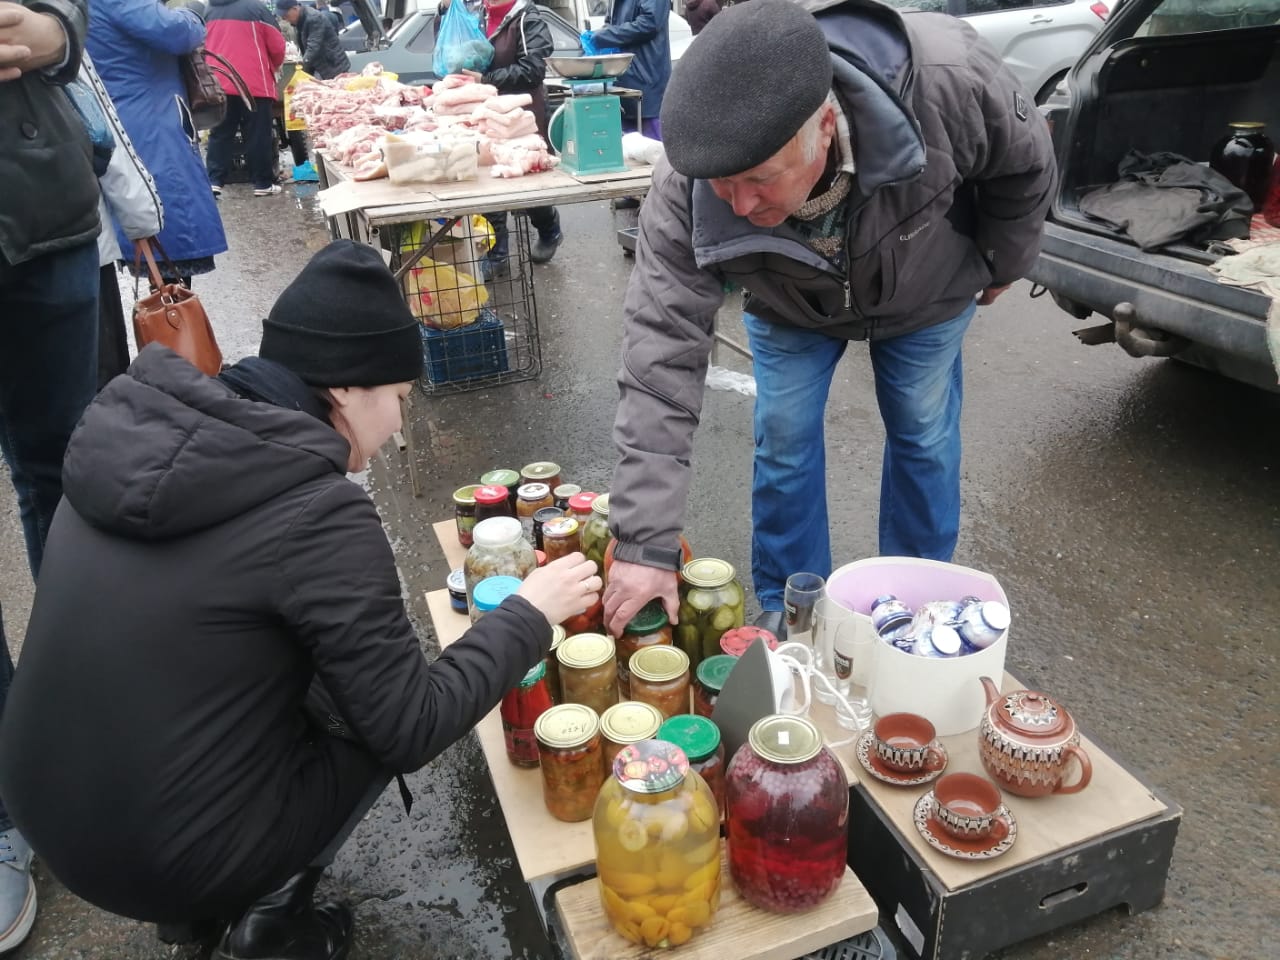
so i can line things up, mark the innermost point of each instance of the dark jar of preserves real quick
(648, 628)
(588, 671)
(560, 537)
(627, 722)
(520, 710)
(457, 586)
(492, 501)
(464, 512)
(569, 754)
(503, 478)
(532, 498)
(564, 493)
(712, 673)
(541, 519)
(699, 738)
(660, 676)
(1245, 156)
(787, 808)
(544, 472)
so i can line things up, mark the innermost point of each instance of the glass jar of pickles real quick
(498, 549)
(569, 754)
(544, 472)
(660, 676)
(560, 537)
(596, 535)
(657, 840)
(521, 707)
(624, 723)
(564, 493)
(709, 681)
(699, 738)
(553, 664)
(648, 628)
(711, 602)
(503, 478)
(464, 512)
(588, 671)
(531, 498)
(489, 594)
(787, 807)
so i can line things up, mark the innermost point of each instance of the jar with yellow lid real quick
(553, 663)
(596, 535)
(648, 628)
(627, 722)
(657, 840)
(560, 537)
(589, 671)
(464, 512)
(569, 754)
(660, 676)
(542, 471)
(711, 602)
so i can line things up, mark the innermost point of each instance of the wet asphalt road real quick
(1131, 510)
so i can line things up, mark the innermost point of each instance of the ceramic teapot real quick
(1027, 740)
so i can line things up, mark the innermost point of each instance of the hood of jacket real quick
(520, 8)
(165, 451)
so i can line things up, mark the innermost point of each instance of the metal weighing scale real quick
(586, 131)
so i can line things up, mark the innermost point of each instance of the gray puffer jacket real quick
(955, 173)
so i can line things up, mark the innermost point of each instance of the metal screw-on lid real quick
(558, 636)
(650, 619)
(713, 671)
(697, 736)
(491, 591)
(501, 478)
(466, 496)
(707, 572)
(541, 470)
(784, 738)
(650, 766)
(658, 664)
(583, 651)
(600, 505)
(536, 673)
(492, 493)
(566, 491)
(544, 514)
(497, 532)
(534, 491)
(568, 725)
(559, 527)
(629, 721)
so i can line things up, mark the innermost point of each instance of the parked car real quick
(1164, 75)
(1038, 39)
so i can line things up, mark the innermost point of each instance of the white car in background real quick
(1040, 40)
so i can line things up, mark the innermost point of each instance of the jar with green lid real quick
(561, 537)
(558, 636)
(503, 478)
(596, 534)
(499, 549)
(569, 754)
(564, 493)
(699, 738)
(464, 512)
(648, 628)
(588, 671)
(709, 681)
(542, 471)
(711, 602)
(660, 676)
(624, 723)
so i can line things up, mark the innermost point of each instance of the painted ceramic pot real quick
(1027, 741)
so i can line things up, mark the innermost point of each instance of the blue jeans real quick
(919, 387)
(48, 375)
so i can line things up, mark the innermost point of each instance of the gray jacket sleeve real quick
(1007, 154)
(668, 320)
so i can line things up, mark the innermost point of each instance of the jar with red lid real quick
(580, 506)
(648, 628)
(735, 642)
(531, 498)
(787, 809)
(503, 478)
(660, 676)
(699, 738)
(569, 754)
(560, 537)
(588, 671)
(464, 512)
(625, 723)
(491, 501)
(709, 681)
(520, 710)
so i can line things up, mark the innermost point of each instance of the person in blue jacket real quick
(135, 45)
(639, 27)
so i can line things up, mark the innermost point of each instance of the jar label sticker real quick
(784, 738)
(843, 665)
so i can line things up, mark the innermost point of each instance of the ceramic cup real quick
(968, 807)
(905, 742)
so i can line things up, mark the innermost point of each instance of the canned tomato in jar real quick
(660, 676)
(520, 710)
(569, 754)
(648, 628)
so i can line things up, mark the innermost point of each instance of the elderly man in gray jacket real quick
(862, 176)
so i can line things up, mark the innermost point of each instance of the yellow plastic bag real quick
(443, 296)
(291, 120)
(368, 83)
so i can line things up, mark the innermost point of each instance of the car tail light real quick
(1101, 9)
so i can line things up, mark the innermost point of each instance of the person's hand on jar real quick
(563, 588)
(631, 586)
(28, 40)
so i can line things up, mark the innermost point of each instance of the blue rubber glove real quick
(588, 47)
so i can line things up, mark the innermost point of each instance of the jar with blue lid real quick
(489, 594)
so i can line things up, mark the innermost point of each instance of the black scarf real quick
(266, 381)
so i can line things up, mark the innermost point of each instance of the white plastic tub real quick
(946, 691)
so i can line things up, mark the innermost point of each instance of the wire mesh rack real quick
(479, 317)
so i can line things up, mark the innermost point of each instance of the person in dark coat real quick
(640, 27)
(219, 677)
(698, 13)
(322, 53)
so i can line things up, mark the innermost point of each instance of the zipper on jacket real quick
(848, 294)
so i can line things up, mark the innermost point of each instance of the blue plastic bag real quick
(461, 44)
(96, 125)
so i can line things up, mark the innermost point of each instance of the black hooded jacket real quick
(209, 559)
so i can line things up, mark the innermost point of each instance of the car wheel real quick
(1048, 89)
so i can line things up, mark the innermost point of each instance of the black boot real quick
(496, 263)
(286, 925)
(548, 241)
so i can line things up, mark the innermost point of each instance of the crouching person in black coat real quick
(219, 676)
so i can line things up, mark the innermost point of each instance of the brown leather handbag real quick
(172, 315)
(208, 103)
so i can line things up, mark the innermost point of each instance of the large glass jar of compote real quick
(657, 838)
(498, 549)
(711, 602)
(787, 808)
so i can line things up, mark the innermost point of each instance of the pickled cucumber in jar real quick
(595, 533)
(711, 603)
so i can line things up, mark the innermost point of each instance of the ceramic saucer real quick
(1001, 839)
(872, 763)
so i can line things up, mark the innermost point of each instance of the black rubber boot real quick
(548, 241)
(286, 925)
(496, 263)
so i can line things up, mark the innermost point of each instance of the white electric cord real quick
(799, 659)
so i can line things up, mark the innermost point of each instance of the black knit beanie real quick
(343, 322)
(756, 73)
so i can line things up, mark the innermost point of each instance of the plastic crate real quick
(476, 350)
(872, 945)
